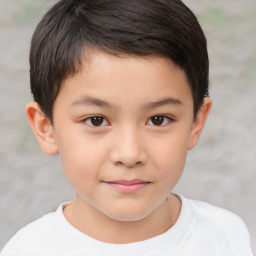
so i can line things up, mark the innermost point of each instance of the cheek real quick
(81, 159)
(170, 155)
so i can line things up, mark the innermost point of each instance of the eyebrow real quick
(101, 103)
(163, 102)
(93, 102)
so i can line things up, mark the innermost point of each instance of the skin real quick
(124, 163)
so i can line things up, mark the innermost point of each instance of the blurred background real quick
(220, 170)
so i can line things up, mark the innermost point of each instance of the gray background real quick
(220, 170)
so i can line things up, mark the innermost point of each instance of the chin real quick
(128, 216)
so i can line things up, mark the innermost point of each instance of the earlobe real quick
(199, 122)
(42, 128)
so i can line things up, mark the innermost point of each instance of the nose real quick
(128, 148)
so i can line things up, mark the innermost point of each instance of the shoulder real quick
(31, 236)
(220, 227)
(218, 216)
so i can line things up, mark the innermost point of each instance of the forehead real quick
(118, 79)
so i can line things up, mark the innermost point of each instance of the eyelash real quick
(90, 118)
(166, 120)
(103, 122)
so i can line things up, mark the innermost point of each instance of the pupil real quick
(157, 120)
(97, 120)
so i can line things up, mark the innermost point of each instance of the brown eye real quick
(96, 121)
(159, 120)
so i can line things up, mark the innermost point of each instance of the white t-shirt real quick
(201, 230)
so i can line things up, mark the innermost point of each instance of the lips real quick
(128, 186)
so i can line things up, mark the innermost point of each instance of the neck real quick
(95, 224)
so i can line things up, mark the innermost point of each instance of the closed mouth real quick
(128, 186)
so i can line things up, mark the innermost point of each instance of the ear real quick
(42, 128)
(199, 122)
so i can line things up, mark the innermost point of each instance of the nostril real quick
(129, 164)
(119, 163)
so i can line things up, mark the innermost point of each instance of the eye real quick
(96, 121)
(160, 120)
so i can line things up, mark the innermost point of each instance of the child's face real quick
(122, 128)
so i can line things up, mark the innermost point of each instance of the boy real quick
(121, 94)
